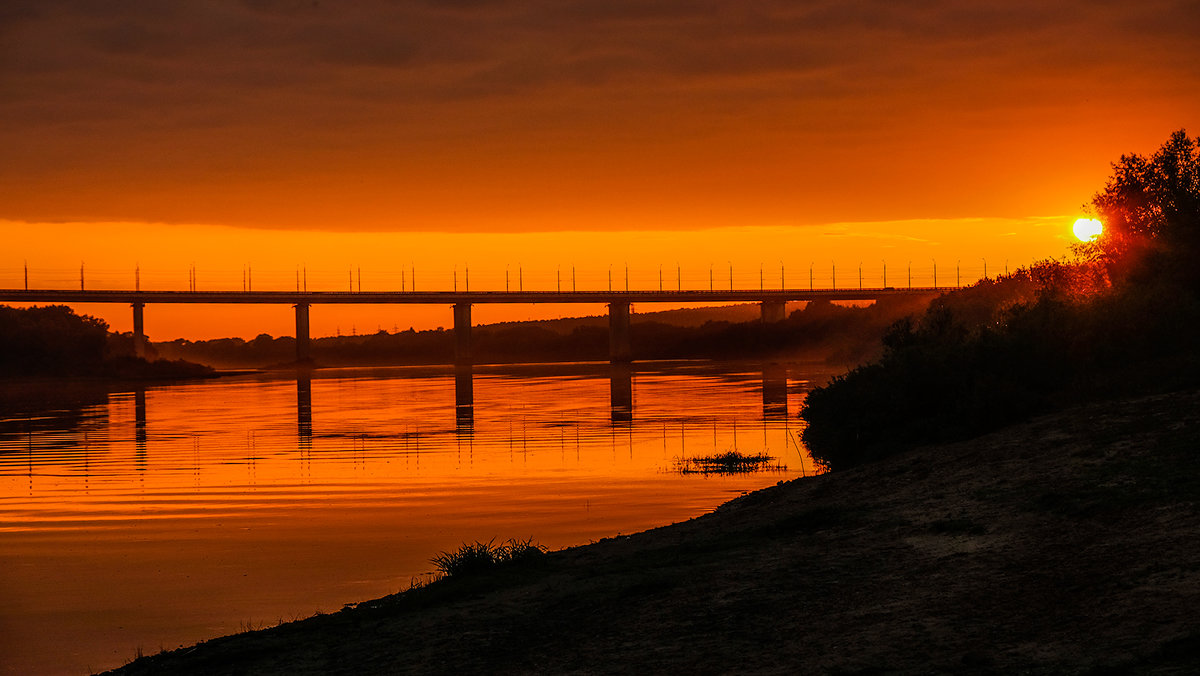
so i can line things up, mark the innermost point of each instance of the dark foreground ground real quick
(1070, 544)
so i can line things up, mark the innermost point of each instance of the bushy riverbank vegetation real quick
(54, 341)
(1119, 319)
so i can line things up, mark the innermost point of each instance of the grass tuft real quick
(478, 557)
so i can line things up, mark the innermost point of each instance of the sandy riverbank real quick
(1070, 544)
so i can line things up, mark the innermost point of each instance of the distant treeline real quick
(820, 330)
(1122, 319)
(54, 341)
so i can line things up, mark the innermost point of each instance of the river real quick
(137, 520)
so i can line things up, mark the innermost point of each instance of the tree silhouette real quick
(50, 340)
(1150, 207)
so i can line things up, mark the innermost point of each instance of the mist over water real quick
(146, 519)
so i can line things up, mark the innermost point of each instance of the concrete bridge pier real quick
(620, 349)
(139, 330)
(462, 333)
(302, 342)
(773, 311)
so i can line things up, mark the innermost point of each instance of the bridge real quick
(771, 302)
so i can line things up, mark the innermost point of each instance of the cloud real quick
(537, 104)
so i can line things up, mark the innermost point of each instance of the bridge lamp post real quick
(610, 276)
(833, 269)
(506, 277)
(466, 269)
(760, 277)
(710, 276)
(985, 276)
(558, 278)
(572, 277)
(885, 274)
(678, 276)
(934, 272)
(456, 276)
(910, 274)
(26, 275)
(730, 275)
(958, 272)
(810, 276)
(627, 277)
(660, 288)
(860, 275)
(137, 278)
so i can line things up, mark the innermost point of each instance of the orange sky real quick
(275, 133)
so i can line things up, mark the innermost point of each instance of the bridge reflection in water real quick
(621, 400)
(304, 421)
(620, 378)
(139, 426)
(464, 399)
(774, 391)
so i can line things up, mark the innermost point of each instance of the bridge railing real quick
(504, 278)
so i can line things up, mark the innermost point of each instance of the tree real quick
(50, 340)
(1151, 213)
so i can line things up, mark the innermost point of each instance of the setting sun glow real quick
(1087, 229)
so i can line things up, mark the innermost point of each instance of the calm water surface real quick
(136, 521)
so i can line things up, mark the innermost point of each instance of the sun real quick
(1087, 229)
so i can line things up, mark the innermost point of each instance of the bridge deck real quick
(452, 297)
